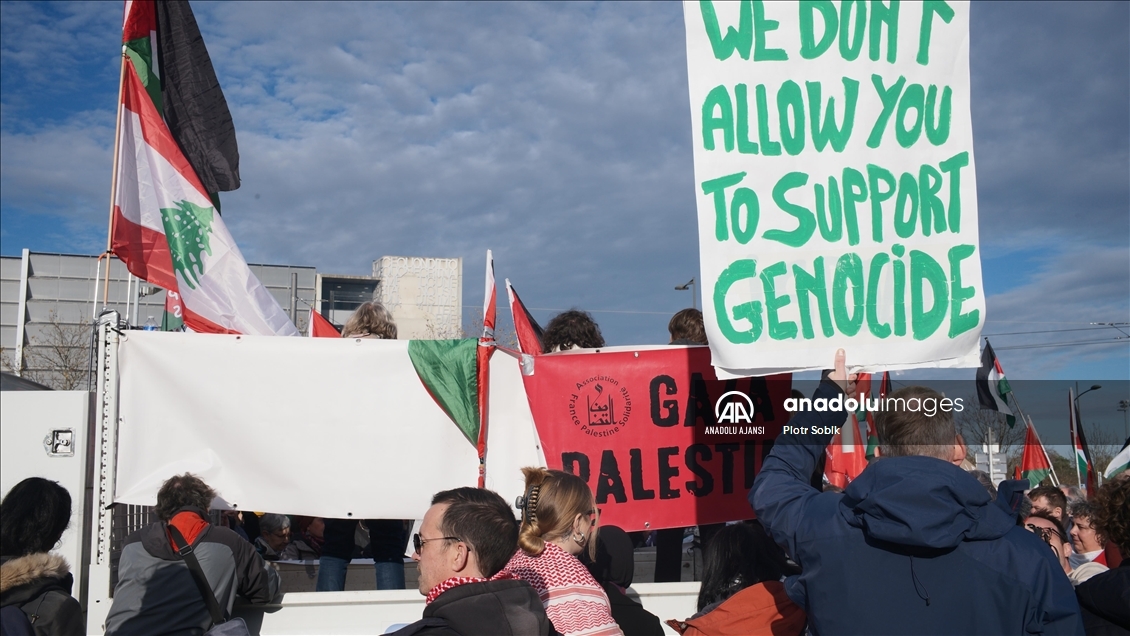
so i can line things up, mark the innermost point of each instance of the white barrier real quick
(373, 612)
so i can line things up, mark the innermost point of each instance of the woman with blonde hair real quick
(559, 523)
(371, 320)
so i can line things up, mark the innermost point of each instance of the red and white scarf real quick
(456, 581)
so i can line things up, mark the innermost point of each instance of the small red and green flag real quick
(1034, 464)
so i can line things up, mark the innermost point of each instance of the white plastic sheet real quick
(314, 426)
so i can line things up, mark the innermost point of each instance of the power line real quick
(1017, 333)
(591, 311)
(1064, 344)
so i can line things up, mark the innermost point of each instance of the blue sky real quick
(558, 135)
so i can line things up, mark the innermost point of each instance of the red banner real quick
(660, 440)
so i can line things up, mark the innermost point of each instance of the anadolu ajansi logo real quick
(601, 406)
(734, 407)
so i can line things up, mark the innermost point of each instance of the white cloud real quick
(556, 134)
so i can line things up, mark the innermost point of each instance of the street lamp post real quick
(1124, 406)
(694, 295)
(1079, 411)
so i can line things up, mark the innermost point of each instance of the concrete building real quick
(48, 303)
(425, 295)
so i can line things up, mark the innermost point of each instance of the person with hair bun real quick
(558, 523)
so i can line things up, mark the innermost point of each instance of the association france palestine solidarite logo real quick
(735, 409)
(601, 406)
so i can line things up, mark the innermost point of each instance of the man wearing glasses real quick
(465, 539)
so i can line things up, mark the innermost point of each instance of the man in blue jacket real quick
(914, 545)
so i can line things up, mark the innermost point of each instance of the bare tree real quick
(504, 336)
(59, 357)
(975, 425)
(1103, 443)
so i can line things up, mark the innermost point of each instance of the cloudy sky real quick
(559, 136)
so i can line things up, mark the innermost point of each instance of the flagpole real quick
(114, 179)
(1025, 418)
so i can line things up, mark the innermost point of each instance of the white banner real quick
(313, 426)
(512, 438)
(835, 181)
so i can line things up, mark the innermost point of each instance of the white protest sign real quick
(835, 182)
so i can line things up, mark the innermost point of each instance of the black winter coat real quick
(40, 585)
(505, 607)
(1105, 600)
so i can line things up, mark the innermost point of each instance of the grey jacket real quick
(156, 594)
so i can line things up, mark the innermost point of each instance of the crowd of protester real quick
(914, 545)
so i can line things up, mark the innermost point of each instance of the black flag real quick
(194, 105)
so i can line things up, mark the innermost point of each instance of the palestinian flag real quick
(320, 327)
(528, 330)
(992, 386)
(1120, 463)
(1034, 464)
(166, 228)
(164, 43)
(1084, 468)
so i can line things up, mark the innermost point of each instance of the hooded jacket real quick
(502, 607)
(760, 609)
(156, 594)
(914, 545)
(40, 585)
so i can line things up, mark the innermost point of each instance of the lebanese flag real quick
(1034, 464)
(1084, 468)
(847, 456)
(167, 231)
(528, 330)
(320, 327)
(992, 386)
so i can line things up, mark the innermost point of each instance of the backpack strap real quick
(185, 552)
